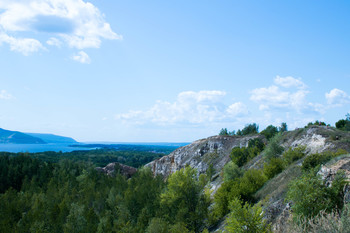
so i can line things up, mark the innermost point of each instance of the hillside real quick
(15, 137)
(7, 136)
(215, 151)
(51, 138)
(245, 182)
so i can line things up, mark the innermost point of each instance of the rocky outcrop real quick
(317, 139)
(200, 154)
(114, 168)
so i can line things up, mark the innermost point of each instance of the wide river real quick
(32, 148)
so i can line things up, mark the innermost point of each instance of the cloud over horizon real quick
(189, 108)
(286, 93)
(74, 23)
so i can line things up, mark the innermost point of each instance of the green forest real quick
(63, 192)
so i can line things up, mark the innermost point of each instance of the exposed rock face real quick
(113, 168)
(200, 154)
(216, 150)
(317, 139)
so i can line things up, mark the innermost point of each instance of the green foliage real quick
(256, 143)
(243, 187)
(227, 191)
(74, 197)
(283, 127)
(231, 171)
(15, 170)
(310, 194)
(314, 160)
(241, 156)
(249, 129)
(101, 157)
(270, 131)
(324, 222)
(184, 199)
(319, 123)
(273, 167)
(246, 218)
(273, 149)
(178, 228)
(343, 124)
(157, 225)
(210, 171)
(251, 181)
(295, 154)
(223, 131)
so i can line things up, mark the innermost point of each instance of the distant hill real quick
(15, 137)
(51, 138)
(7, 136)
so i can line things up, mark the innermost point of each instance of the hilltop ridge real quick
(214, 153)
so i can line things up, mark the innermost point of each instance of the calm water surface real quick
(32, 148)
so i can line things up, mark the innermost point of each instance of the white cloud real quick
(5, 95)
(289, 82)
(54, 42)
(288, 94)
(82, 57)
(78, 23)
(189, 108)
(337, 97)
(22, 45)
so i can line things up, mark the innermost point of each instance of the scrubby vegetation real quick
(241, 155)
(63, 192)
(253, 128)
(310, 194)
(344, 124)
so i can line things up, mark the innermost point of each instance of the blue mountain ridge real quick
(16, 137)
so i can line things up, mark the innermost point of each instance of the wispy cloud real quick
(287, 93)
(289, 81)
(337, 97)
(22, 45)
(75, 23)
(82, 57)
(5, 95)
(54, 42)
(189, 108)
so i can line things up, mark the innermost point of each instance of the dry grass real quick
(323, 223)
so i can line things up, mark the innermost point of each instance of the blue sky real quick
(147, 71)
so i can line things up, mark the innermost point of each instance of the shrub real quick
(273, 167)
(273, 149)
(256, 143)
(250, 182)
(241, 156)
(270, 131)
(344, 124)
(249, 129)
(243, 187)
(227, 191)
(295, 154)
(310, 195)
(231, 171)
(245, 218)
(314, 160)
